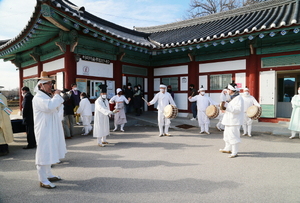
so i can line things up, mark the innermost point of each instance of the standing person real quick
(6, 133)
(142, 95)
(75, 98)
(85, 111)
(137, 100)
(203, 102)
(170, 91)
(120, 117)
(295, 117)
(248, 101)
(224, 97)
(101, 118)
(27, 113)
(68, 119)
(233, 119)
(193, 92)
(128, 94)
(163, 98)
(51, 145)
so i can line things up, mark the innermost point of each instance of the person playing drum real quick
(203, 102)
(232, 120)
(248, 101)
(163, 98)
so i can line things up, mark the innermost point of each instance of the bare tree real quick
(206, 7)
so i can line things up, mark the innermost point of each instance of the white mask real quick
(75, 88)
(247, 93)
(298, 91)
(202, 93)
(162, 90)
(81, 97)
(103, 96)
(23, 94)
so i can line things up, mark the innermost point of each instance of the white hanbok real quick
(119, 117)
(163, 100)
(48, 129)
(101, 119)
(248, 101)
(85, 111)
(233, 119)
(203, 102)
(223, 97)
(295, 117)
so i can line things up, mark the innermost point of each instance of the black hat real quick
(103, 88)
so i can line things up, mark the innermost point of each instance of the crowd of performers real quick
(53, 123)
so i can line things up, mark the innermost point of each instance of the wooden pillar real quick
(20, 85)
(117, 66)
(150, 87)
(252, 74)
(70, 68)
(39, 68)
(193, 73)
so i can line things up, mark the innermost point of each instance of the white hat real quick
(162, 86)
(201, 89)
(246, 89)
(119, 90)
(231, 87)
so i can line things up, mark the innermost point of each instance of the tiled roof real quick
(245, 20)
(139, 38)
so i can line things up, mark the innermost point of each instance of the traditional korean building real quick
(257, 46)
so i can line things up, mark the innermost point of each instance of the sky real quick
(14, 16)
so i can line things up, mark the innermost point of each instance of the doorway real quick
(287, 83)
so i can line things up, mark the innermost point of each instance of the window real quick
(218, 82)
(173, 81)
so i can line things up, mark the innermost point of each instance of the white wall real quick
(240, 78)
(95, 69)
(222, 66)
(175, 70)
(54, 65)
(30, 71)
(202, 81)
(181, 101)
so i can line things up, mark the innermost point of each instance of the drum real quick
(222, 107)
(254, 112)
(212, 111)
(170, 111)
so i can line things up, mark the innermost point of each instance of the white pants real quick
(247, 126)
(101, 139)
(44, 172)
(86, 122)
(163, 121)
(203, 121)
(219, 124)
(231, 137)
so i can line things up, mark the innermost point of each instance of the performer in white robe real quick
(248, 101)
(120, 117)
(48, 129)
(101, 117)
(203, 101)
(85, 111)
(163, 98)
(295, 117)
(6, 132)
(224, 96)
(233, 119)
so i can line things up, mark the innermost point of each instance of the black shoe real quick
(29, 147)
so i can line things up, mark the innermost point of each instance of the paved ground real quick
(138, 166)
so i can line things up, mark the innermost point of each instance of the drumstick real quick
(145, 100)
